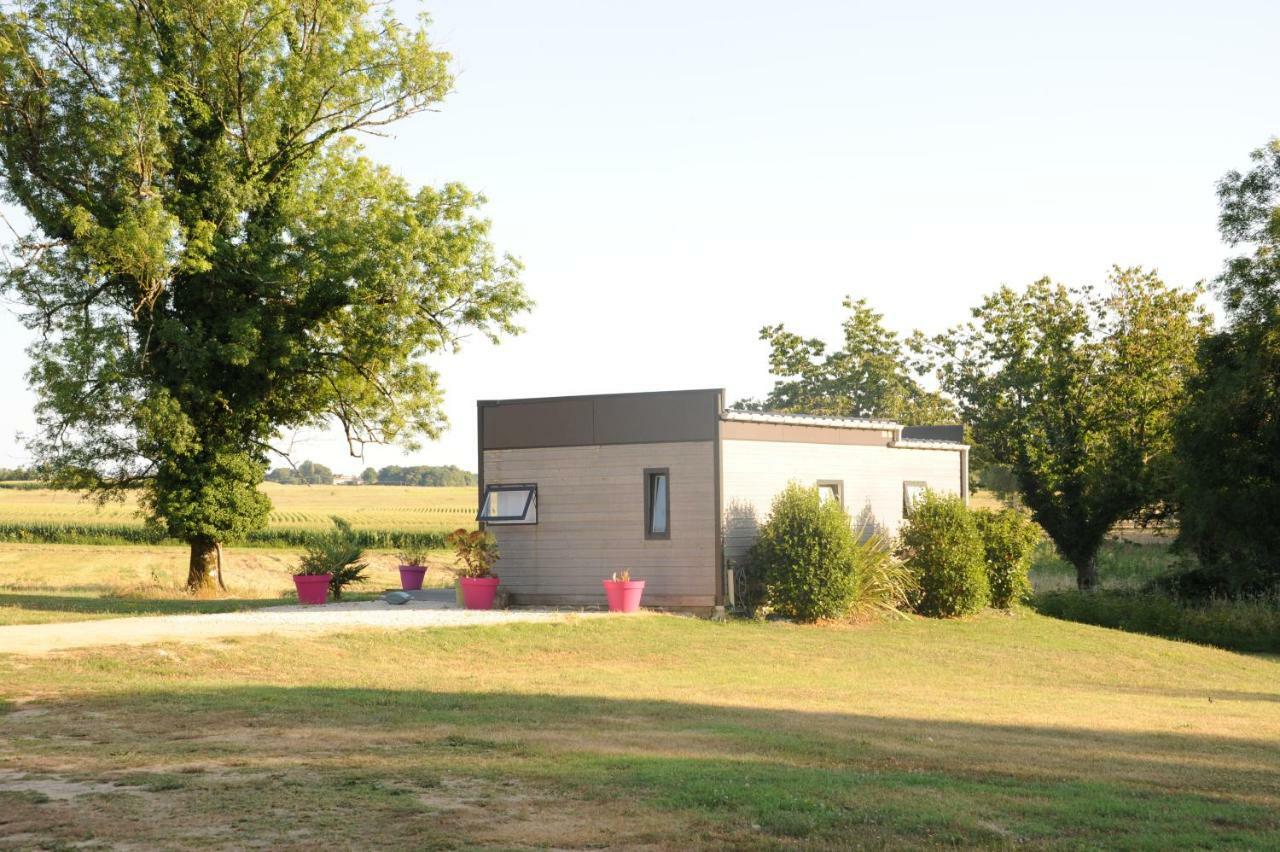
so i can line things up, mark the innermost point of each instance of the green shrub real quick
(941, 545)
(337, 554)
(1247, 624)
(883, 585)
(805, 557)
(1008, 539)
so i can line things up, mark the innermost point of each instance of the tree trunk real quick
(203, 566)
(1087, 574)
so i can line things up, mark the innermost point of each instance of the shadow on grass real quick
(123, 605)
(704, 774)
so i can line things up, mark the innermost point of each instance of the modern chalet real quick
(672, 487)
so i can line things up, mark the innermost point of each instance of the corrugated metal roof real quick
(811, 420)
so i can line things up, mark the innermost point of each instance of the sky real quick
(675, 175)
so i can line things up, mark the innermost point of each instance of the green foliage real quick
(806, 557)
(307, 473)
(337, 553)
(883, 585)
(1228, 435)
(423, 474)
(941, 545)
(1076, 391)
(415, 557)
(106, 533)
(1241, 624)
(212, 262)
(868, 376)
(1008, 539)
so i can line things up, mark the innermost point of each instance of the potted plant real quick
(477, 550)
(413, 568)
(622, 592)
(330, 564)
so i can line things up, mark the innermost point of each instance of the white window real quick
(911, 492)
(509, 504)
(831, 490)
(657, 503)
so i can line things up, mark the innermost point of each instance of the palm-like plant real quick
(337, 554)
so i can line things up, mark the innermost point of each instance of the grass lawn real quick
(62, 582)
(648, 730)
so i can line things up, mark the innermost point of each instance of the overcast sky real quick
(676, 174)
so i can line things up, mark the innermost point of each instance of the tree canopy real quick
(868, 376)
(1228, 436)
(212, 260)
(1076, 390)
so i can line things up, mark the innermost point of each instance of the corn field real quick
(383, 516)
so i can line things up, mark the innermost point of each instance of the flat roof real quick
(811, 420)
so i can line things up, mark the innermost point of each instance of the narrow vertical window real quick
(911, 492)
(657, 503)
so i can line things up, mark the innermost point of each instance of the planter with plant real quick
(477, 550)
(622, 592)
(330, 564)
(413, 569)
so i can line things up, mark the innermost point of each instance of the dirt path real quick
(43, 638)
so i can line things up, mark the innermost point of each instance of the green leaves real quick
(869, 376)
(1076, 390)
(213, 261)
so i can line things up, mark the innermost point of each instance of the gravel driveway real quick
(309, 620)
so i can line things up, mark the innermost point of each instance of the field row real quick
(388, 515)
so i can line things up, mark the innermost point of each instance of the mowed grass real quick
(42, 583)
(648, 731)
(298, 507)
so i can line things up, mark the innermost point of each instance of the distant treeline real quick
(17, 474)
(313, 473)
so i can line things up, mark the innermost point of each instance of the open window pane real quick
(831, 490)
(509, 504)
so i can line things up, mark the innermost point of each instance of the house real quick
(672, 487)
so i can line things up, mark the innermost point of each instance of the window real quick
(911, 492)
(831, 489)
(657, 503)
(509, 504)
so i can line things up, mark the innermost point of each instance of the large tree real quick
(211, 260)
(1228, 437)
(868, 376)
(1076, 390)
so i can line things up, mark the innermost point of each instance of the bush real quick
(1250, 624)
(883, 585)
(338, 554)
(1008, 539)
(941, 545)
(805, 557)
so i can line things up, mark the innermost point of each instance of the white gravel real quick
(309, 620)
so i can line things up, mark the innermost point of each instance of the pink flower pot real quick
(312, 588)
(623, 595)
(411, 577)
(478, 592)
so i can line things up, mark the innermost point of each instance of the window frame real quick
(907, 485)
(531, 502)
(649, 474)
(838, 484)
